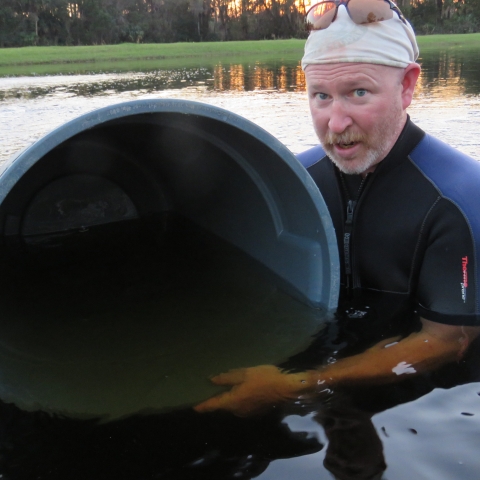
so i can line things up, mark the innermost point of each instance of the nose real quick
(340, 119)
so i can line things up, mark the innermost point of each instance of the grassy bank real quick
(467, 41)
(132, 51)
(102, 58)
(141, 65)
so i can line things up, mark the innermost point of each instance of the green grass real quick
(141, 65)
(128, 56)
(132, 51)
(467, 41)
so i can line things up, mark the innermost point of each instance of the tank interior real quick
(136, 248)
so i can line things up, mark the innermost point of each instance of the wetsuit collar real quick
(406, 142)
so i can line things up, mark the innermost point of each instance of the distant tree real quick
(171, 21)
(64, 22)
(53, 23)
(445, 16)
(10, 25)
(95, 22)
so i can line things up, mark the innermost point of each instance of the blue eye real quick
(321, 96)
(360, 92)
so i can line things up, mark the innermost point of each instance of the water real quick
(447, 102)
(69, 344)
(423, 429)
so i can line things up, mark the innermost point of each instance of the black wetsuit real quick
(411, 229)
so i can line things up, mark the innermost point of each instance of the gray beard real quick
(345, 166)
(383, 137)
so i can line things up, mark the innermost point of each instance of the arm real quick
(258, 388)
(434, 345)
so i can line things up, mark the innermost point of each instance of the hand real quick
(255, 390)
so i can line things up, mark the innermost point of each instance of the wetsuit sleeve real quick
(447, 290)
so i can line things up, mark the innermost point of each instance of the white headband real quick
(389, 42)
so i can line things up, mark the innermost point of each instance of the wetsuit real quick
(411, 228)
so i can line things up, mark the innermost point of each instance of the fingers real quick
(252, 391)
(229, 403)
(224, 400)
(218, 402)
(232, 377)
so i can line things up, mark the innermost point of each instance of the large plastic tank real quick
(116, 227)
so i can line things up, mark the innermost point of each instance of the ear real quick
(410, 77)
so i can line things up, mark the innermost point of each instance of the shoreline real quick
(32, 61)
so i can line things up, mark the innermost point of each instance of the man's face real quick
(357, 111)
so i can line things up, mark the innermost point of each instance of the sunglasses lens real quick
(369, 11)
(321, 15)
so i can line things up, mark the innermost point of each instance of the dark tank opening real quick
(136, 263)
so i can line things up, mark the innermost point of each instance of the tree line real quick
(93, 22)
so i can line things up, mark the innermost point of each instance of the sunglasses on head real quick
(321, 15)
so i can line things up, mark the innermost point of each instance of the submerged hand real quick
(255, 390)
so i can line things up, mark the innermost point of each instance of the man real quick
(404, 206)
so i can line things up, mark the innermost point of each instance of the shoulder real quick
(310, 157)
(455, 175)
(437, 159)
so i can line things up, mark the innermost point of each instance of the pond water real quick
(447, 101)
(423, 429)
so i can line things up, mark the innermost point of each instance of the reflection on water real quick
(243, 77)
(450, 74)
(255, 76)
(104, 84)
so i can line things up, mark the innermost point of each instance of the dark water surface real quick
(93, 385)
(109, 335)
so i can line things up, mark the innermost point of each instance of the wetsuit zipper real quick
(348, 228)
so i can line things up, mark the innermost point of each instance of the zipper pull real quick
(350, 209)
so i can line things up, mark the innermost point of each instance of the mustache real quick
(345, 137)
